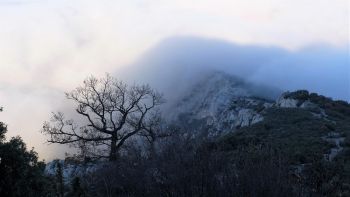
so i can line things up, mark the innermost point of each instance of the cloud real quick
(175, 63)
(319, 68)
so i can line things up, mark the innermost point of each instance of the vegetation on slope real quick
(300, 135)
(284, 155)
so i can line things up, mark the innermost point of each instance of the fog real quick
(175, 63)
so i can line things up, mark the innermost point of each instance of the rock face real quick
(282, 101)
(218, 104)
(300, 99)
(297, 99)
(221, 103)
(337, 140)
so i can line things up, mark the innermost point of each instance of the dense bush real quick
(186, 168)
(299, 95)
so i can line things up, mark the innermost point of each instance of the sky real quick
(48, 47)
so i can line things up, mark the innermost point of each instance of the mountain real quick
(222, 106)
(221, 103)
(304, 121)
(254, 135)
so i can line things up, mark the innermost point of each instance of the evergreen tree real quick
(21, 174)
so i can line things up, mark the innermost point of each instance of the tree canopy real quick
(21, 174)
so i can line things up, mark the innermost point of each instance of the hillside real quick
(230, 139)
(312, 131)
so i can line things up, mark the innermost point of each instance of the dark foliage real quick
(21, 174)
(185, 167)
(76, 189)
(300, 136)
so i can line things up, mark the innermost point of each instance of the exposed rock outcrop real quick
(218, 104)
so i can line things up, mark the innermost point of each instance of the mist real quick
(172, 66)
(175, 63)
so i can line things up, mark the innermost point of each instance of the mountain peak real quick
(220, 102)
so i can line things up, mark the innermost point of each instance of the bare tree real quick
(113, 111)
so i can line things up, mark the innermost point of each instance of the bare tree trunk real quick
(113, 153)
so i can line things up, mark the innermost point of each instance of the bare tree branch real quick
(114, 112)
